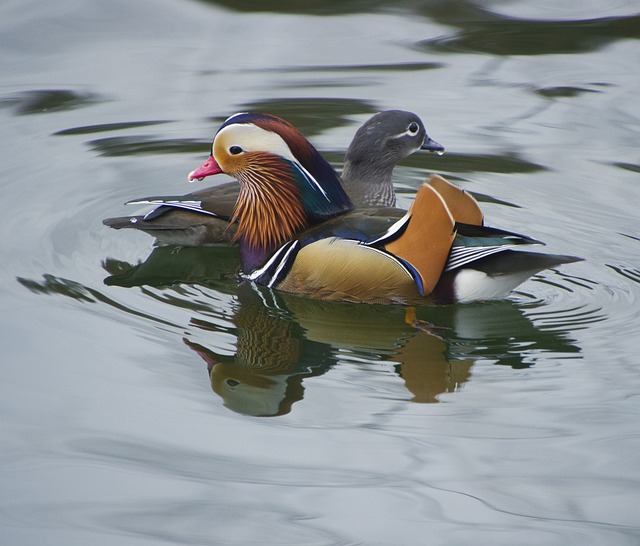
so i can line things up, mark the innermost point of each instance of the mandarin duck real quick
(202, 217)
(299, 233)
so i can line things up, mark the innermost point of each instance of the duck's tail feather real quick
(494, 276)
(514, 261)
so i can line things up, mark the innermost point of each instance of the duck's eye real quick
(235, 150)
(413, 128)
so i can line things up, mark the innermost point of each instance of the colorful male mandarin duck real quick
(202, 217)
(299, 232)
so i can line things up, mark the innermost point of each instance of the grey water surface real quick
(148, 398)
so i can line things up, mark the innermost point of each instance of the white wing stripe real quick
(194, 206)
(461, 256)
(397, 226)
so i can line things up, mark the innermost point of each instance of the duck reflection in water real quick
(264, 377)
(283, 339)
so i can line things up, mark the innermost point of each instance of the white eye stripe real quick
(251, 138)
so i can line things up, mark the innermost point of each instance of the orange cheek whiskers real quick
(268, 210)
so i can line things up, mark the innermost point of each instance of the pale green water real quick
(519, 426)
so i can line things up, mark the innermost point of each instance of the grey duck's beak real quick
(432, 146)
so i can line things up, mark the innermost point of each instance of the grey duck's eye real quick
(235, 150)
(413, 128)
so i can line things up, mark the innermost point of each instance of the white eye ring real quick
(413, 128)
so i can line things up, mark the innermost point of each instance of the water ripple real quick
(576, 318)
(630, 273)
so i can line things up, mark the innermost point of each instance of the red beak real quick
(208, 168)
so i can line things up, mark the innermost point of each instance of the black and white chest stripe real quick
(276, 267)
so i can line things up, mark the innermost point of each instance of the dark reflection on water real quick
(373, 67)
(634, 168)
(283, 339)
(308, 7)
(474, 163)
(145, 145)
(313, 115)
(213, 266)
(484, 31)
(481, 30)
(107, 127)
(566, 91)
(64, 287)
(48, 100)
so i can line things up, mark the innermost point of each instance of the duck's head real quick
(388, 137)
(376, 148)
(286, 185)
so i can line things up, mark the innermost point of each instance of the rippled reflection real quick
(273, 356)
(282, 340)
